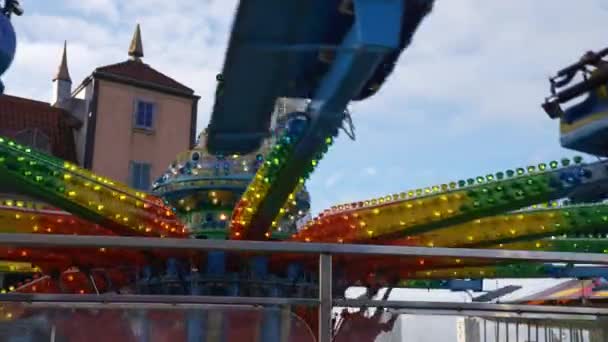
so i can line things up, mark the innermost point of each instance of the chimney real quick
(62, 83)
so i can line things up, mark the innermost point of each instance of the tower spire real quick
(63, 74)
(136, 50)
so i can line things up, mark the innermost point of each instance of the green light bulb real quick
(553, 164)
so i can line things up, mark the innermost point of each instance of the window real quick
(140, 176)
(34, 138)
(144, 115)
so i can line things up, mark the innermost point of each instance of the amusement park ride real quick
(245, 181)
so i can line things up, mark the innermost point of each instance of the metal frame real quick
(148, 301)
(475, 309)
(75, 241)
(325, 300)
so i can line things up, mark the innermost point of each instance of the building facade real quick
(126, 121)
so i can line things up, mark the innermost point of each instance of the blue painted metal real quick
(196, 320)
(259, 268)
(8, 46)
(465, 285)
(271, 325)
(216, 263)
(364, 47)
(144, 325)
(274, 51)
(196, 323)
(579, 272)
(593, 114)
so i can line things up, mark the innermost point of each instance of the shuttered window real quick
(140, 176)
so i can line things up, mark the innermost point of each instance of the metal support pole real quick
(485, 321)
(571, 333)
(325, 298)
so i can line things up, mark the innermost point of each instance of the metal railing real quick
(325, 302)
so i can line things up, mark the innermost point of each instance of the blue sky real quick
(464, 100)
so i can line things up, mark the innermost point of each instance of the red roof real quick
(18, 114)
(139, 71)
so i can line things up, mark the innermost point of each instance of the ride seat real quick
(584, 126)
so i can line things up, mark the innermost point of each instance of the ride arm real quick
(416, 212)
(89, 196)
(363, 49)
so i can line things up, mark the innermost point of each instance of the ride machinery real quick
(290, 70)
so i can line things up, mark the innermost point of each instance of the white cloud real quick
(464, 99)
(370, 171)
(106, 8)
(185, 39)
(333, 179)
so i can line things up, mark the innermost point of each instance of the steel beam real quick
(74, 241)
(156, 301)
(325, 298)
(478, 309)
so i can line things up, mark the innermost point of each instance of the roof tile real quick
(139, 71)
(18, 114)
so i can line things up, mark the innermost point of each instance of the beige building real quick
(132, 119)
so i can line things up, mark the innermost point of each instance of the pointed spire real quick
(136, 50)
(63, 73)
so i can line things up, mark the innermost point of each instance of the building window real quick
(144, 115)
(139, 176)
(34, 138)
